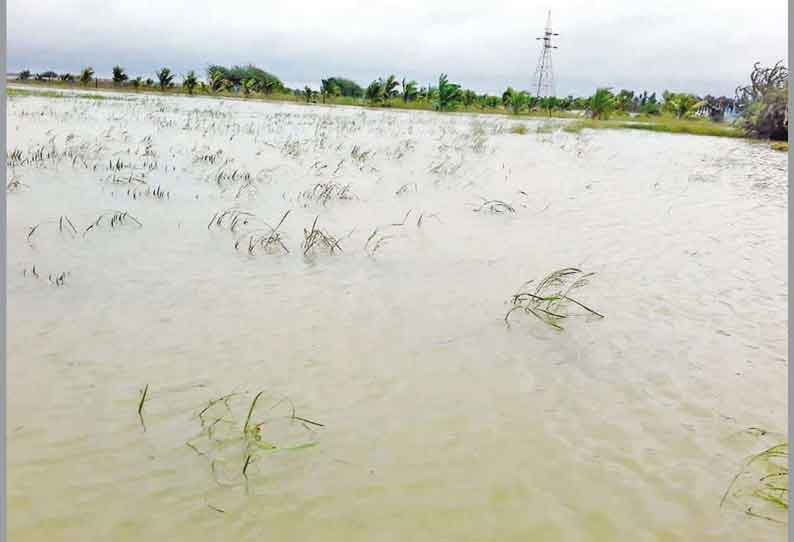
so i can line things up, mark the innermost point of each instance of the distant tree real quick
(680, 104)
(601, 104)
(624, 101)
(165, 78)
(308, 93)
(346, 87)
(248, 85)
(86, 75)
(763, 104)
(469, 97)
(24, 75)
(119, 76)
(149, 82)
(374, 92)
(67, 78)
(409, 91)
(136, 83)
(390, 88)
(515, 101)
(190, 81)
(549, 104)
(329, 89)
(49, 74)
(449, 94)
(216, 78)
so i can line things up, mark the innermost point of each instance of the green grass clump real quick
(551, 298)
(519, 129)
(779, 146)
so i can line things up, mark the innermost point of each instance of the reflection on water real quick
(438, 422)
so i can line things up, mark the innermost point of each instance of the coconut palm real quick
(679, 105)
(248, 86)
(374, 92)
(390, 88)
(166, 78)
(449, 94)
(86, 75)
(602, 103)
(408, 90)
(119, 76)
(190, 81)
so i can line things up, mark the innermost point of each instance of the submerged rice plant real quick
(766, 483)
(317, 238)
(551, 298)
(235, 445)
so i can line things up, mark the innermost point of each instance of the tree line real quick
(762, 105)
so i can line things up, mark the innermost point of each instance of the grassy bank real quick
(661, 124)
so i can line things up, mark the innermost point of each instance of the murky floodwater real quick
(438, 421)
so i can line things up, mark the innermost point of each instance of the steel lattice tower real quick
(544, 73)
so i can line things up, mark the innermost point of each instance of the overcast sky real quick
(698, 46)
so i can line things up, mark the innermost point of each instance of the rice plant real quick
(314, 238)
(235, 445)
(324, 192)
(767, 484)
(550, 300)
(231, 219)
(268, 239)
(65, 225)
(494, 206)
(113, 220)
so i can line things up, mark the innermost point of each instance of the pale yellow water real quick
(440, 423)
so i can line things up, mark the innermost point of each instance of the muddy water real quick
(438, 421)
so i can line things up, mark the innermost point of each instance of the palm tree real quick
(602, 103)
(308, 93)
(516, 101)
(166, 78)
(119, 76)
(86, 75)
(248, 86)
(409, 90)
(390, 88)
(679, 104)
(374, 92)
(449, 94)
(216, 79)
(190, 81)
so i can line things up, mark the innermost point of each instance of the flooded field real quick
(356, 266)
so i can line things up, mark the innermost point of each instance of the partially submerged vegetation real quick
(763, 478)
(551, 298)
